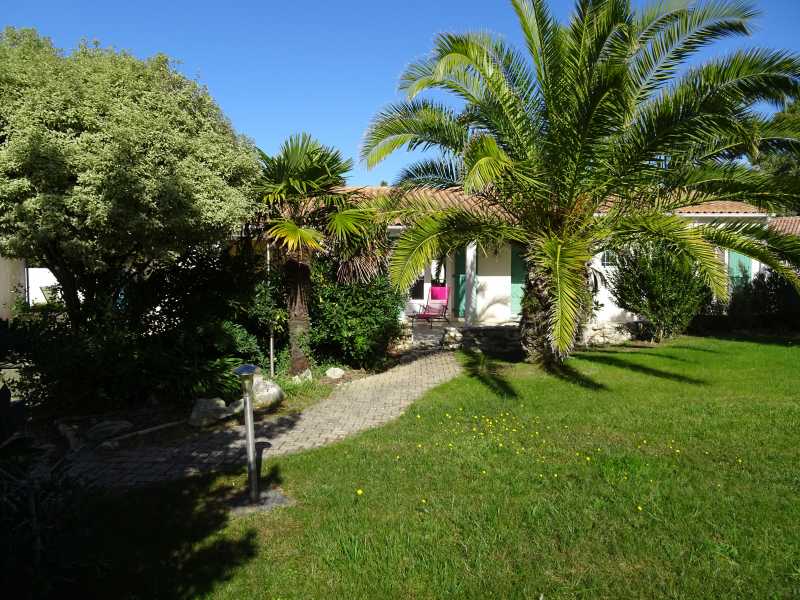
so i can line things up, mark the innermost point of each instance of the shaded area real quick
(161, 543)
(566, 372)
(614, 360)
(489, 372)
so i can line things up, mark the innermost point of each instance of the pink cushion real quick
(439, 292)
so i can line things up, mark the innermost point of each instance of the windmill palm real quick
(590, 140)
(309, 212)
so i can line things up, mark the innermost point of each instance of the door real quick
(460, 282)
(740, 268)
(517, 279)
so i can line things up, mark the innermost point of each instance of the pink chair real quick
(436, 307)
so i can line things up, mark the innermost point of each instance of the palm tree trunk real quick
(534, 324)
(299, 280)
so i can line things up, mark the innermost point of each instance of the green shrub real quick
(352, 323)
(173, 338)
(767, 301)
(650, 281)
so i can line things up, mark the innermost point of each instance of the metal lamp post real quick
(245, 373)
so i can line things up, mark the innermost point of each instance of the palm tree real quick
(308, 211)
(590, 141)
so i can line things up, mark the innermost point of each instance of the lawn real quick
(667, 472)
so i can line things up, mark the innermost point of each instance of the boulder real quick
(334, 373)
(207, 411)
(266, 392)
(451, 338)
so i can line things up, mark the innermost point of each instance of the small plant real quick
(353, 323)
(650, 281)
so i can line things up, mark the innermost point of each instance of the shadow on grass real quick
(635, 351)
(613, 360)
(570, 374)
(488, 371)
(162, 542)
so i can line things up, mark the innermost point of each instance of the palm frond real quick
(295, 238)
(778, 251)
(415, 124)
(679, 235)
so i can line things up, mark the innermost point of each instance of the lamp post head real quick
(245, 370)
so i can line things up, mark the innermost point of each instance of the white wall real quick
(37, 279)
(493, 293)
(12, 283)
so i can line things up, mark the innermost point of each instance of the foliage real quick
(783, 161)
(44, 517)
(308, 213)
(353, 322)
(175, 336)
(664, 289)
(111, 168)
(590, 139)
(767, 301)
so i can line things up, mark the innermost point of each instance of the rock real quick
(304, 376)
(207, 411)
(451, 338)
(266, 392)
(334, 373)
(107, 429)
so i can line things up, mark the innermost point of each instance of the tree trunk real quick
(299, 280)
(535, 325)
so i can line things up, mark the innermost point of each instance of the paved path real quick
(352, 407)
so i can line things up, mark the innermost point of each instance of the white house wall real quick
(37, 279)
(493, 287)
(12, 284)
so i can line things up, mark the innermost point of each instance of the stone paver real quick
(352, 407)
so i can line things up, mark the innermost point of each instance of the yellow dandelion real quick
(639, 507)
(359, 492)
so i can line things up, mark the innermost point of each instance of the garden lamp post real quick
(245, 373)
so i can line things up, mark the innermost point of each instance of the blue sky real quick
(278, 67)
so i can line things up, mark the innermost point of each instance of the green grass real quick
(667, 472)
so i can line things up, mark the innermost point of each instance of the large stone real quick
(108, 429)
(207, 411)
(334, 373)
(266, 392)
(451, 338)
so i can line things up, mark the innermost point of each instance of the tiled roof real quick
(721, 207)
(790, 225)
(455, 198)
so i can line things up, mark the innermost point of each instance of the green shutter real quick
(740, 268)
(517, 279)
(460, 281)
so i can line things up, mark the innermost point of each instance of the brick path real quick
(352, 407)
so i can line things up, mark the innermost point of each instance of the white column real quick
(471, 310)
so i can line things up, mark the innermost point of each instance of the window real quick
(417, 291)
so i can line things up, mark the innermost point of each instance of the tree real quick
(111, 168)
(308, 212)
(591, 141)
(781, 161)
(648, 280)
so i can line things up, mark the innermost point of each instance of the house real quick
(19, 280)
(486, 289)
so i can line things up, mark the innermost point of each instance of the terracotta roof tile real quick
(721, 207)
(789, 225)
(456, 198)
